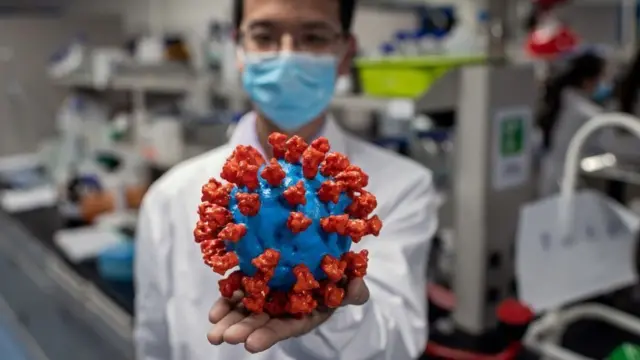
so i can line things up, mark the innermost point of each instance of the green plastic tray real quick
(407, 77)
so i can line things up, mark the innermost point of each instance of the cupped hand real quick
(233, 325)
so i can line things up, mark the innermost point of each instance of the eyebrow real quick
(317, 25)
(308, 25)
(261, 24)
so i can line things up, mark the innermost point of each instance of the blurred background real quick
(99, 98)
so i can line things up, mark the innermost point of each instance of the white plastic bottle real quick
(482, 32)
(69, 126)
(230, 73)
(405, 43)
(214, 47)
(467, 39)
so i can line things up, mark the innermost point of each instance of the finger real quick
(216, 334)
(239, 332)
(222, 307)
(273, 332)
(277, 330)
(357, 293)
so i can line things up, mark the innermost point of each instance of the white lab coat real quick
(175, 290)
(576, 110)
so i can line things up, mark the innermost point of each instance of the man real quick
(290, 54)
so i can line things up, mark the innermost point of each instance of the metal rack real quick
(169, 83)
(395, 4)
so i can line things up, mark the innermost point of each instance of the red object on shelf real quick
(550, 41)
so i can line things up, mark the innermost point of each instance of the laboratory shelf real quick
(180, 82)
(395, 4)
(161, 83)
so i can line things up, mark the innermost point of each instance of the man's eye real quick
(262, 38)
(314, 39)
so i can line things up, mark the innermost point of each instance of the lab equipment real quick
(487, 149)
(69, 126)
(24, 184)
(405, 43)
(214, 47)
(68, 59)
(545, 332)
(164, 140)
(80, 244)
(434, 149)
(465, 39)
(435, 24)
(482, 35)
(149, 50)
(288, 223)
(230, 73)
(514, 319)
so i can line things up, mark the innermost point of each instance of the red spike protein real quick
(288, 223)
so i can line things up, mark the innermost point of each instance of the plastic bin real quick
(407, 77)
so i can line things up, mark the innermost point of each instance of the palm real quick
(232, 325)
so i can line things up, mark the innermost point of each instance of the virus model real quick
(288, 224)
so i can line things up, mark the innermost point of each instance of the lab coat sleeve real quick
(392, 325)
(151, 281)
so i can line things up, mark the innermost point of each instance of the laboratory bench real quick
(49, 221)
(66, 308)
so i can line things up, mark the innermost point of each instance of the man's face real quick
(311, 26)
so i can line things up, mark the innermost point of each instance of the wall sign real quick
(512, 130)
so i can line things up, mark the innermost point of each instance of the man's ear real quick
(239, 60)
(347, 58)
(235, 35)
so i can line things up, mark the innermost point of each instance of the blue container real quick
(116, 263)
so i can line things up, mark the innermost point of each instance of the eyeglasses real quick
(270, 40)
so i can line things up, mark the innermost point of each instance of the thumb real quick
(357, 292)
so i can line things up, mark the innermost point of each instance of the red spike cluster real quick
(243, 170)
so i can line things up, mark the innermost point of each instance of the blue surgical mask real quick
(602, 92)
(290, 89)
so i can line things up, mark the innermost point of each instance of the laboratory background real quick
(524, 111)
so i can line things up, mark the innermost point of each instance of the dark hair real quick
(347, 9)
(627, 87)
(538, 8)
(579, 69)
(531, 20)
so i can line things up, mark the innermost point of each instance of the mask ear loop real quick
(342, 55)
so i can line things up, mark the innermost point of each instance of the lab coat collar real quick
(245, 134)
(579, 101)
(575, 96)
